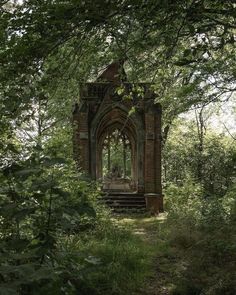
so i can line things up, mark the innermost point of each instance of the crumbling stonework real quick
(102, 110)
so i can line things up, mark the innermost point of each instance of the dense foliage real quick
(213, 166)
(199, 235)
(55, 237)
(186, 47)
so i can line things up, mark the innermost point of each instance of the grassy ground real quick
(126, 255)
(117, 257)
(163, 264)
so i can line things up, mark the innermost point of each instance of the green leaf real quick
(53, 161)
(5, 289)
(60, 192)
(86, 209)
(21, 270)
(8, 209)
(11, 169)
(93, 260)
(27, 172)
(132, 111)
(43, 272)
(43, 185)
(187, 52)
(25, 212)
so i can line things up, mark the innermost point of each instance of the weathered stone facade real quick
(101, 110)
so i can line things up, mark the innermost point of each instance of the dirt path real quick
(147, 228)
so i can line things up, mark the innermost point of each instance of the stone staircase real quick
(125, 201)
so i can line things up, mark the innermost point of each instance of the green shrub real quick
(202, 232)
(41, 200)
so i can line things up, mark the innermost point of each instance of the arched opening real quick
(117, 161)
(117, 155)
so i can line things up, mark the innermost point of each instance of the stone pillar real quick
(153, 192)
(150, 153)
(158, 149)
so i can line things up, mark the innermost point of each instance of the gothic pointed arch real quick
(105, 125)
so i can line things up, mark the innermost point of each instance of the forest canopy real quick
(56, 237)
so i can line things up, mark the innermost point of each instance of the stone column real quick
(153, 194)
(158, 149)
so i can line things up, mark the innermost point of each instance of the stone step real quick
(123, 195)
(133, 198)
(124, 201)
(129, 210)
(127, 206)
(123, 210)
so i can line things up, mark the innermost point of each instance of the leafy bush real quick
(57, 239)
(181, 158)
(202, 232)
(41, 200)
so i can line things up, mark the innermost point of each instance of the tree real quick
(192, 41)
(201, 154)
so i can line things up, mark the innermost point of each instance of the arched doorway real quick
(118, 161)
(119, 147)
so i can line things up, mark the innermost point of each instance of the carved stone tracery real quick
(101, 113)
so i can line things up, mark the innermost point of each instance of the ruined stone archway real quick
(100, 112)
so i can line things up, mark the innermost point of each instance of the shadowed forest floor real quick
(162, 264)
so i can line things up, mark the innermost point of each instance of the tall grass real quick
(200, 234)
(108, 260)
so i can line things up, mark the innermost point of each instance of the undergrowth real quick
(197, 243)
(108, 260)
